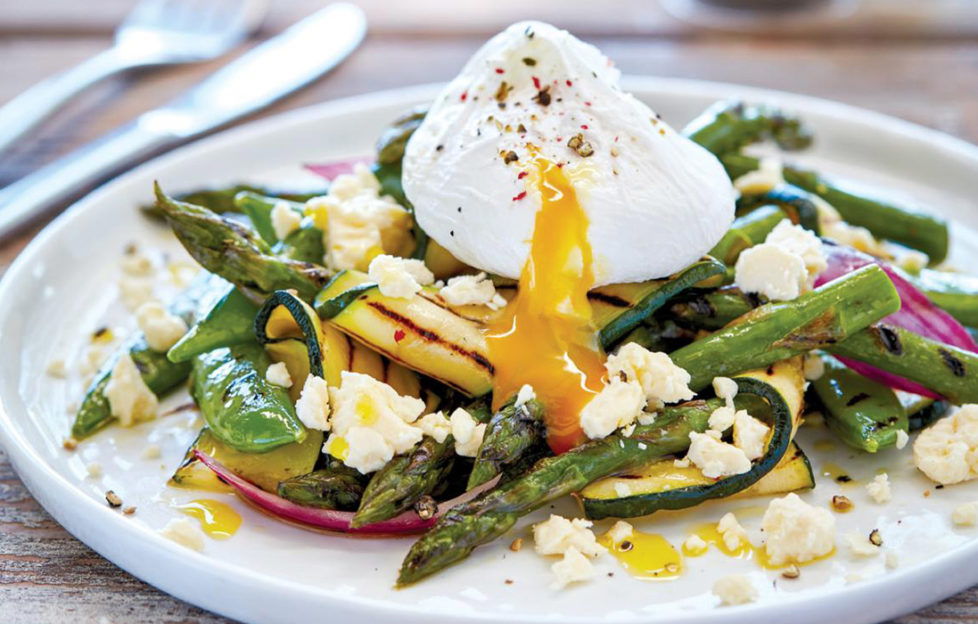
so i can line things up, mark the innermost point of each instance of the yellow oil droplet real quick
(824, 446)
(709, 534)
(218, 520)
(646, 556)
(836, 472)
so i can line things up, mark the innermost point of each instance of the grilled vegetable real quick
(493, 513)
(794, 201)
(513, 432)
(920, 231)
(237, 254)
(221, 200)
(946, 370)
(265, 470)
(415, 332)
(713, 309)
(333, 487)
(619, 308)
(243, 409)
(229, 322)
(956, 293)
(746, 231)
(160, 374)
(865, 414)
(601, 499)
(729, 126)
(304, 244)
(777, 331)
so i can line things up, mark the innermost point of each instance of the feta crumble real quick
(901, 439)
(749, 434)
(135, 291)
(574, 567)
(525, 394)
(965, 514)
(152, 451)
(278, 374)
(161, 329)
(660, 379)
(715, 458)
(312, 407)
(185, 532)
(130, 399)
(370, 422)
(733, 534)
(771, 271)
(726, 389)
(734, 589)
(695, 545)
(436, 426)
(947, 451)
(801, 242)
(136, 263)
(399, 277)
(468, 433)
(57, 368)
(813, 366)
(797, 532)
(768, 175)
(617, 405)
(557, 534)
(472, 290)
(358, 223)
(722, 418)
(285, 220)
(860, 546)
(620, 531)
(879, 488)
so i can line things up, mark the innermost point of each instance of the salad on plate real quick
(536, 289)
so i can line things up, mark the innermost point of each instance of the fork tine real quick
(145, 13)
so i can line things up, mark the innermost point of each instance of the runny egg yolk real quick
(546, 337)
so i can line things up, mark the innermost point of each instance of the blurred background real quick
(915, 59)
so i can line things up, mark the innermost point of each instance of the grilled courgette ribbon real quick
(760, 396)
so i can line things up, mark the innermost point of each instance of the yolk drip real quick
(218, 520)
(545, 337)
(646, 556)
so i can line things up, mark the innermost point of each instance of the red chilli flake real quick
(570, 84)
(583, 126)
(587, 103)
(521, 175)
(464, 96)
(399, 335)
(499, 70)
(536, 83)
(520, 196)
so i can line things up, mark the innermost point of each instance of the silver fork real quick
(156, 32)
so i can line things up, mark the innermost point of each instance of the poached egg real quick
(533, 164)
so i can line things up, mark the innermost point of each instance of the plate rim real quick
(56, 493)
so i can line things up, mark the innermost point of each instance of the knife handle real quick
(36, 193)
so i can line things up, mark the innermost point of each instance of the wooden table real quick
(923, 72)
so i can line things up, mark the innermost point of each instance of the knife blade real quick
(265, 74)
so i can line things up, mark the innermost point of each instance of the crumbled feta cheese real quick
(358, 223)
(628, 430)
(92, 358)
(573, 568)
(135, 291)
(892, 560)
(620, 531)
(661, 380)
(965, 514)
(285, 220)
(947, 451)
(722, 418)
(185, 532)
(468, 433)
(734, 589)
(797, 532)
(152, 451)
(749, 434)
(94, 470)
(363, 404)
(715, 458)
(472, 290)
(556, 534)
(436, 426)
(726, 389)
(136, 263)
(278, 374)
(814, 366)
(733, 534)
(130, 399)
(879, 488)
(681, 463)
(771, 271)
(801, 242)
(695, 545)
(901, 439)
(312, 407)
(767, 176)
(57, 369)
(525, 394)
(854, 236)
(860, 546)
(646, 418)
(617, 405)
(399, 277)
(162, 329)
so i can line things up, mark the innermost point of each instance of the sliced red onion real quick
(407, 522)
(332, 169)
(917, 313)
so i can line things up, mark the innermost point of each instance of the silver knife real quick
(263, 75)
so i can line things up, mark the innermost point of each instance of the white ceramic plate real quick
(64, 285)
